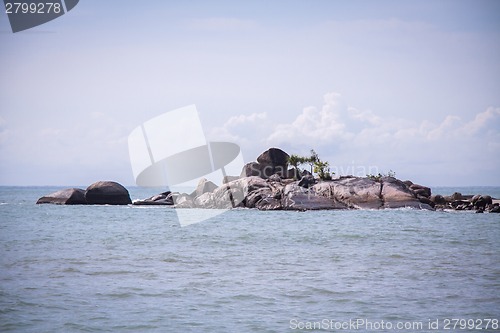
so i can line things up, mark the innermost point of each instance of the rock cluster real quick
(479, 203)
(286, 194)
(268, 185)
(99, 193)
(162, 199)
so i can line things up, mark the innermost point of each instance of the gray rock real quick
(307, 181)
(269, 203)
(227, 197)
(426, 200)
(254, 197)
(205, 200)
(459, 203)
(273, 160)
(300, 198)
(293, 174)
(488, 199)
(274, 178)
(233, 194)
(162, 199)
(343, 193)
(495, 209)
(70, 196)
(420, 190)
(204, 186)
(274, 157)
(480, 202)
(247, 184)
(408, 183)
(252, 169)
(354, 192)
(107, 193)
(396, 194)
(183, 201)
(438, 199)
(228, 179)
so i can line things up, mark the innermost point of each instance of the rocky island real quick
(269, 184)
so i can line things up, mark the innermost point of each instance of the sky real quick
(411, 87)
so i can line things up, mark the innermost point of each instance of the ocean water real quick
(134, 269)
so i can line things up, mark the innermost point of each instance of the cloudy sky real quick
(408, 86)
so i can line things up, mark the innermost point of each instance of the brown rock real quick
(396, 194)
(438, 199)
(299, 198)
(421, 190)
(353, 192)
(107, 193)
(70, 196)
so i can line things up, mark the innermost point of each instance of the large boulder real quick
(247, 184)
(354, 192)
(438, 199)
(423, 191)
(70, 196)
(205, 200)
(273, 160)
(273, 156)
(183, 201)
(233, 194)
(227, 197)
(253, 198)
(107, 193)
(296, 197)
(396, 194)
(252, 169)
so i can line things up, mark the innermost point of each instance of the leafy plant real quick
(295, 161)
(322, 169)
(311, 160)
(378, 177)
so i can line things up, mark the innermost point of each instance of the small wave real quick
(116, 295)
(396, 256)
(170, 260)
(71, 270)
(109, 273)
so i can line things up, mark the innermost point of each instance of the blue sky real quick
(408, 86)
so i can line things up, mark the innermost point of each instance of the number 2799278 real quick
(32, 8)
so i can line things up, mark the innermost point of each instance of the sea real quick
(135, 269)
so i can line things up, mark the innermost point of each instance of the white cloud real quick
(427, 149)
(244, 119)
(239, 129)
(445, 129)
(364, 116)
(481, 121)
(313, 125)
